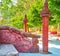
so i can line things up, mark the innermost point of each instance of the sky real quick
(0, 0)
(11, 0)
(14, 1)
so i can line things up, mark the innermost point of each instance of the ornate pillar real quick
(45, 14)
(25, 23)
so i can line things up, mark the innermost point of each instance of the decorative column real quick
(45, 14)
(25, 23)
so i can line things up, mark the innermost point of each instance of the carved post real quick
(45, 14)
(35, 46)
(25, 23)
(58, 31)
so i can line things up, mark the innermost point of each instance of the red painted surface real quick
(25, 23)
(45, 14)
(54, 32)
(45, 34)
(19, 39)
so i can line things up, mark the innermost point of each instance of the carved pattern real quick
(18, 38)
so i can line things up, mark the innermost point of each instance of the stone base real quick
(8, 50)
(34, 49)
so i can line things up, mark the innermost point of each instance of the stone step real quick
(8, 50)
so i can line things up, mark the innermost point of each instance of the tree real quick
(14, 13)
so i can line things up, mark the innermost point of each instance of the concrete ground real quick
(54, 48)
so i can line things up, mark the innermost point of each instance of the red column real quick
(45, 14)
(45, 34)
(25, 23)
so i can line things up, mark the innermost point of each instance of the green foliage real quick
(54, 6)
(13, 14)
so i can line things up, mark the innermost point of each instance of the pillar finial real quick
(45, 0)
(25, 18)
(45, 11)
